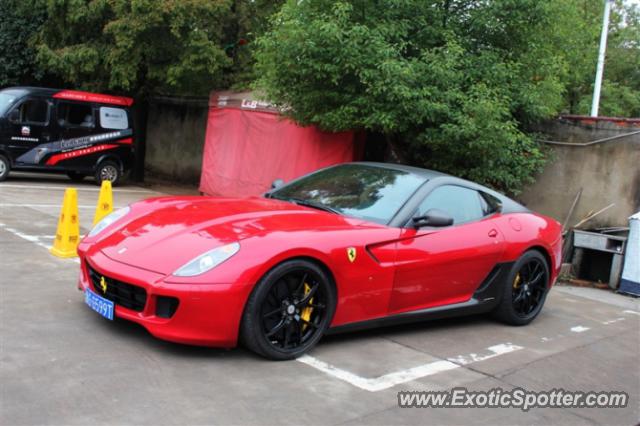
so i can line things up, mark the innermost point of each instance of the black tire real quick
(76, 177)
(5, 167)
(271, 327)
(108, 170)
(525, 291)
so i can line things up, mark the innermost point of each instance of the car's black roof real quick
(424, 173)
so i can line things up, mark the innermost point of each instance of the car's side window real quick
(34, 111)
(462, 204)
(75, 115)
(113, 118)
(490, 204)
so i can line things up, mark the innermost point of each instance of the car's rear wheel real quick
(108, 170)
(5, 167)
(525, 291)
(76, 177)
(289, 310)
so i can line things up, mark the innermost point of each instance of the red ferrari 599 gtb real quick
(347, 247)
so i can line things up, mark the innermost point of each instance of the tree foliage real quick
(185, 47)
(137, 45)
(450, 82)
(250, 20)
(579, 40)
(19, 22)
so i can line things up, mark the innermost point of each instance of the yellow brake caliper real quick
(306, 312)
(516, 282)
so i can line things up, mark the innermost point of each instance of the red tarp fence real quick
(248, 145)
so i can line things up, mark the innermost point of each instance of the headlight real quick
(207, 261)
(108, 220)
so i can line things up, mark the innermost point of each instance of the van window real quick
(34, 111)
(113, 118)
(6, 101)
(75, 115)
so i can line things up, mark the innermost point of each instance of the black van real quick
(77, 133)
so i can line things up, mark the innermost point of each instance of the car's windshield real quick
(6, 100)
(363, 191)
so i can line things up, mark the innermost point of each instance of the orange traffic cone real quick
(105, 202)
(68, 233)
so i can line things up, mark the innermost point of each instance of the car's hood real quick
(165, 233)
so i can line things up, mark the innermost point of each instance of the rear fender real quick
(110, 157)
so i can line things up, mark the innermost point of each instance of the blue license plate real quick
(99, 304)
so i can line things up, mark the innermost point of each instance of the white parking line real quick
(613, 320)
(407, 375)
(503, 348)
(403, 376)
(33, 239)
(30, 238)
(382, 382)
(79, 188)
(631, 312)
(579, 329)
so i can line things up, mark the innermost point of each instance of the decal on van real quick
(34, 156)
(20, 138)
(54, 159)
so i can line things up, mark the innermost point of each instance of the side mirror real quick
(277, 183)
(433, 217)
(14, 115)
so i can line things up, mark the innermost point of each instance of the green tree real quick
(137, 46)
(250, 20)
(450, 83)
(20, 20)
(579, 39)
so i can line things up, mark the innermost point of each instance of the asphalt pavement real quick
(61, 363)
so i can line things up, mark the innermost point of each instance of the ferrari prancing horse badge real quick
(351, 254)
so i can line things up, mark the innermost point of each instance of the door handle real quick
(493, 233)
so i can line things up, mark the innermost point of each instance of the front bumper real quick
(206, 315)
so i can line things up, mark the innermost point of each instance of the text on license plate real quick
(99, 304)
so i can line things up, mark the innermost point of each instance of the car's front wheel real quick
(289, 310)
(525, 291)
(5, 167)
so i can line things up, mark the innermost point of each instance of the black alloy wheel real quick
(529, 287)
(289, 310)
(525, 290)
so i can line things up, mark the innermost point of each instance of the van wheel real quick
(108, 170)
(75, 176)
(5, 167)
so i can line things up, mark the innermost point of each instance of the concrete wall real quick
(175, 138)
(607, 172)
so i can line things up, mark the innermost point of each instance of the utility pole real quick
(601, 52)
